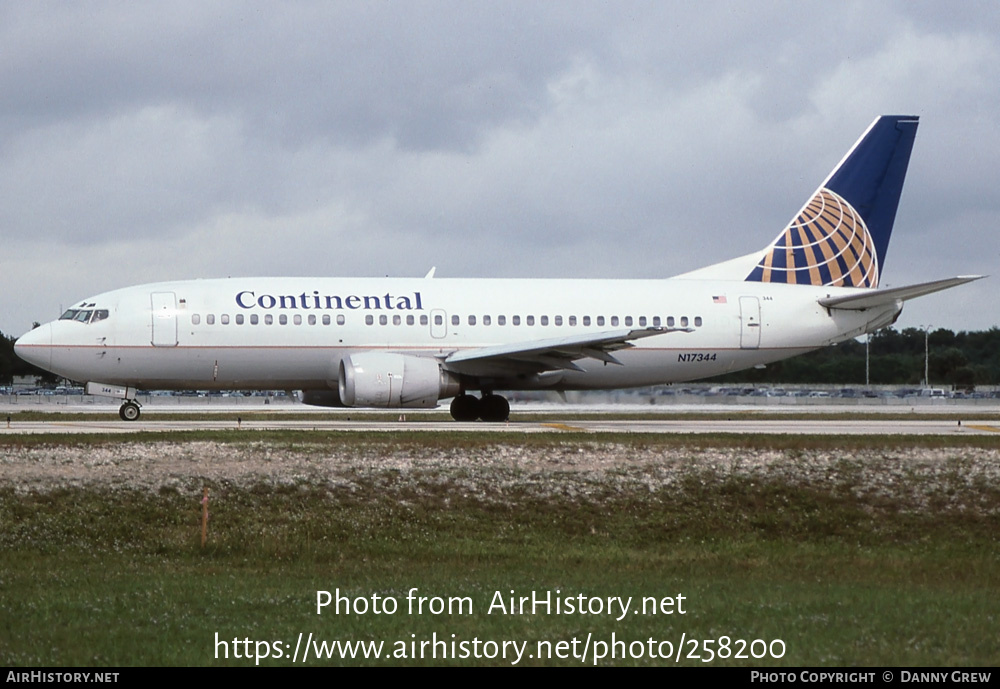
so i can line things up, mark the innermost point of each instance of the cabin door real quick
(164, 319)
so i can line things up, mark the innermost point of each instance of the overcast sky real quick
(153, 141)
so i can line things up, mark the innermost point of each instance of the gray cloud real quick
(147, 142)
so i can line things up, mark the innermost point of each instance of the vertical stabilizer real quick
(841, 236)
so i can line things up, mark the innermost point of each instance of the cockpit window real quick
(84, 315)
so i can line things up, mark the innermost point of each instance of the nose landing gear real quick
(129, 411)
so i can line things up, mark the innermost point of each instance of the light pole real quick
(927, 332)
(868, 341)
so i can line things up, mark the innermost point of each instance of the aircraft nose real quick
(35, 346)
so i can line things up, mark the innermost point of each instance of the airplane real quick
(412, 342)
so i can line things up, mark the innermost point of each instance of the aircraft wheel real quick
(465, 408)
(129, 411)
(494, 408)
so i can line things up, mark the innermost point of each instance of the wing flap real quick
(549, 355)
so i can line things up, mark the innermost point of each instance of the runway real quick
(596, 425)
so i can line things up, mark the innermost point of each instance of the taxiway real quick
(742, 426)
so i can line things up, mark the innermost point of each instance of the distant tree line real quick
(11, 365)
(962, 360)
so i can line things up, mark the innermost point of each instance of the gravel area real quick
(964, 479)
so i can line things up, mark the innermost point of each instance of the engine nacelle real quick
(383, 379)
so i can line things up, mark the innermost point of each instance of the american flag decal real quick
(719, 300)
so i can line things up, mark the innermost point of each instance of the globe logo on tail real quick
(826, 244)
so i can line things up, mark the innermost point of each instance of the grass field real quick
(848, 550)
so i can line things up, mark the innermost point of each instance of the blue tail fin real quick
(841, 236)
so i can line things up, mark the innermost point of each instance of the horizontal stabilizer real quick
(880, 297)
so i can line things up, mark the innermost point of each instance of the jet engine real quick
(383, 379)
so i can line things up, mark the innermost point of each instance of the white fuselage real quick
(267, 333)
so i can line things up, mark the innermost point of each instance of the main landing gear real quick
(490, 408)
(129, 411)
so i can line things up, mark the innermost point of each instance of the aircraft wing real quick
(880, 297)
(547, 355)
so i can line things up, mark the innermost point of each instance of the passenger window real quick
(600, 320)
(614, 320)
(558, 320)
(195, 319)
(628, 320)
(684, 321)
(397, 319)
(642, 321)
(515, 320)
(340, 319)
(282, 319)
(312, 319)
(697, 321)
(438, 320)
(297, 319)
(224, 319)
(530, 320)
(472, 320)
(383, 319)
(656, 321)
(486, 320)
(268, 319)
(409, 319)
(454, 320)
(326, 319)
(239, 319)
(670, 321)
(423, 319)
(369, 320)
(572, 320)
(501, 320)
(586, 320)
(254, 319)
(210, 319)
(544, 320)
